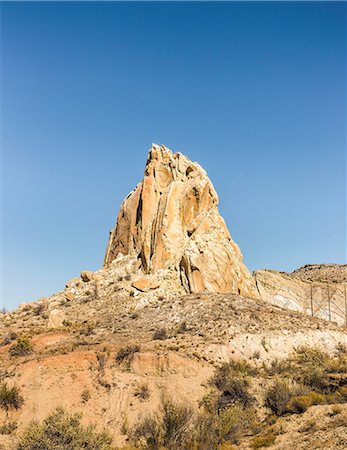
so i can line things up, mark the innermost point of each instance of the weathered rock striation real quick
(318, 290)
(171, 223)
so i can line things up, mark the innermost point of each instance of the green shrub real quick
(234, 422)
(8, 337)
(22, 347)
(61, 431)
(310, 356)
(10, 397)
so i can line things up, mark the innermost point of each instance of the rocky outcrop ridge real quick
(171, 223)
(320, 290)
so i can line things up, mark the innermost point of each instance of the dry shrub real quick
(298, 404)
(176, 427)
(279, 394)
(263, 440)
(142, 391)
(169, 428)
(8, 428)
(10, 397)
(64, 432)
(232, 380)
(160, 334)
(22, 347)
(125, 355)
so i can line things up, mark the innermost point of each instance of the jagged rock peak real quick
(170, 221)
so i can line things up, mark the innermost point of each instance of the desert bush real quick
(177, 427)
(210, 400)
(125, 355)
(10, 397)
(315, 378)
(337, 364)
(38, 309)
(160, 334)
(316, 399)
(234, 422)
(142, 391)
(231, 369)
(85, 396)
(22, 347)
(62, 431)
(170, 428)
(102, 357)
(298, 404)
(8, 428)
(279, 394)
(341, 348)
(312, 356)
(336, 409)
(236, 390)
(263, 440)
(311, 366)
(8, 338)
(232, 380)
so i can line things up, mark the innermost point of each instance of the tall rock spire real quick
(171, 222)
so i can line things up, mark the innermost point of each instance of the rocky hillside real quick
(322, 273)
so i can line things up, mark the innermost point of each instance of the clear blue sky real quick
(255, 92)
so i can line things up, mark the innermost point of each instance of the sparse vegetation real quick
(263, 440)
(8, 338)
(63, 431)
(85, 396)
(279, 394)
(160, 334)
(232, 380)
(8, 428)
(170, 428)
(142, 391)
(178, 427)
(22, 347)
(125, 355)
(39, 309)
(10, 397)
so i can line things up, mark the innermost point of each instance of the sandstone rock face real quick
(171, 223)
(56, 318)
(324, 299)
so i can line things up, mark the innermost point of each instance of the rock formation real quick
(171, 223)
(316, 290)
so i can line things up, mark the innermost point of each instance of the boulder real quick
(171, 223)
(56, 318)
(145, 284)
(87, 275)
